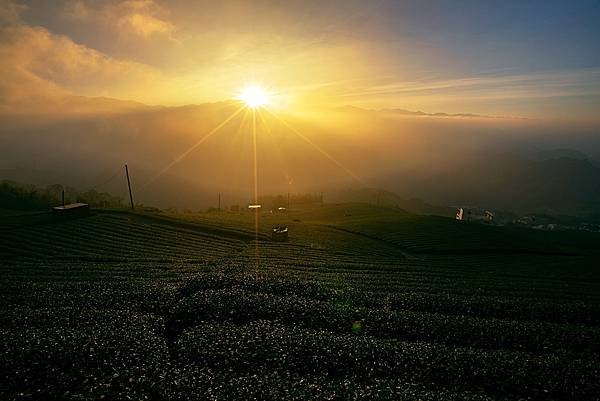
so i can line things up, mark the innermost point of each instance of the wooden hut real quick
(72, 210)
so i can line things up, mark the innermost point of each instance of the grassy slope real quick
(362, 302)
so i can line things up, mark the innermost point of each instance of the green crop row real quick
(263, 346)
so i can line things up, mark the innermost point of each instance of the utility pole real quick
(219, 201)
(129, 186)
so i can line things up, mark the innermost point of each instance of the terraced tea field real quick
(361, 303)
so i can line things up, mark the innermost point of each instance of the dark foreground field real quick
(362, 303)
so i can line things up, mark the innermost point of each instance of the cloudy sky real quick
(513, 58)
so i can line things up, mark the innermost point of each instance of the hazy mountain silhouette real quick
(553, 154)
(495, 163)
(511, 182)
(422, 113)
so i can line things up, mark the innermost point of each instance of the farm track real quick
(152, 309)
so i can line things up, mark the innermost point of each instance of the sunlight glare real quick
(254, 96)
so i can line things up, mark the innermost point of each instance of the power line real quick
(113, 176)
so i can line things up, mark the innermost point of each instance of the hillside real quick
(362, 302)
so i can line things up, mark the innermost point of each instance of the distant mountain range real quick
(561, 182)
(554, 154)
(404, 112)
(486, 162)
(422, 113)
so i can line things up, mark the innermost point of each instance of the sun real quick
(254, 96)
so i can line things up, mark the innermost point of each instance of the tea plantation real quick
(361, 303)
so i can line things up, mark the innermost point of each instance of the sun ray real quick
(191, 149)
(255, 158)
(317, 147)
(238, 141)
(256, 211)
(232, 158)
(264, 121)
(279, 153)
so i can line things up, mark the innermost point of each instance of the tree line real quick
(18, 196)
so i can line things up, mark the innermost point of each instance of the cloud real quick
(9, 12)
(77, 10)
(141, 18)
(542, 84)
(37, 65)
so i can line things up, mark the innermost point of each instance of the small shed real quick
(474, 214)
(72, 210)
(279, 234)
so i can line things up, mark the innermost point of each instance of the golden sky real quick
(435, 57)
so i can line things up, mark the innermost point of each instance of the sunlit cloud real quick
(432, 94)
(559, 83)
(145, 25)
(9, 12)
(176, 53)
(142, 18)
(77, 10)
(36, 62)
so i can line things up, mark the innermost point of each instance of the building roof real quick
(71, 206)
